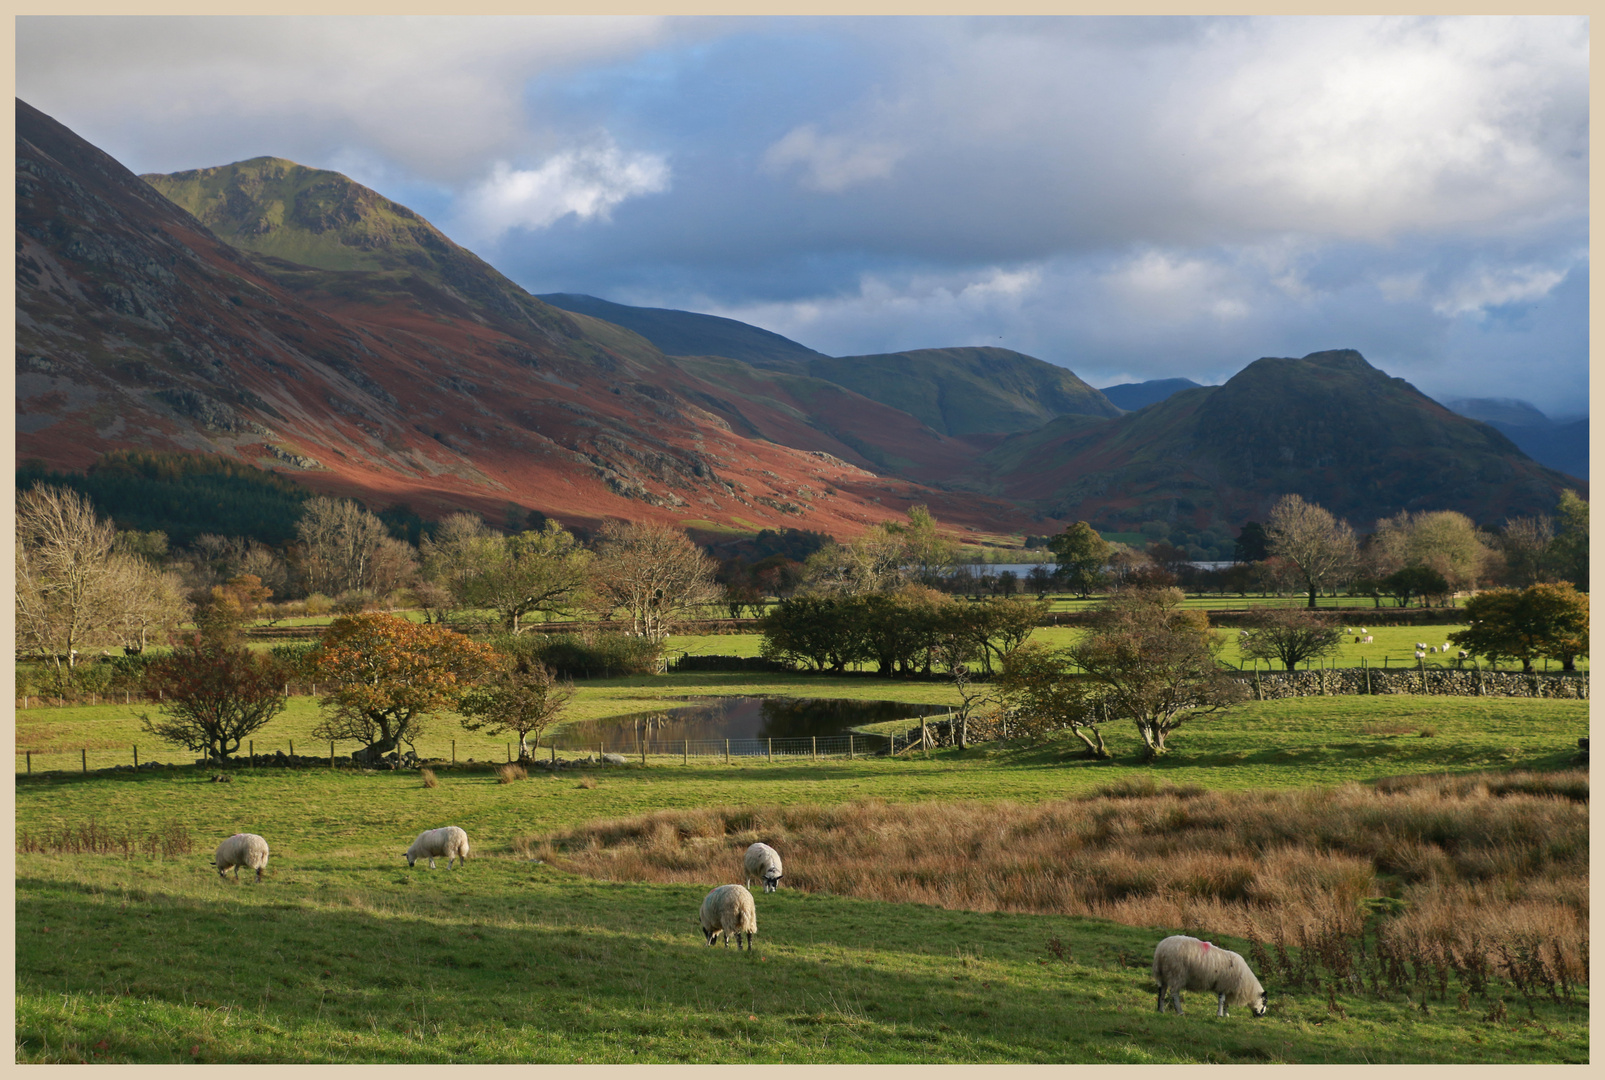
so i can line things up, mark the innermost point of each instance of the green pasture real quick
(343, 954)
(350, 958)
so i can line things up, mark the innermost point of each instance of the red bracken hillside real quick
(428, 379)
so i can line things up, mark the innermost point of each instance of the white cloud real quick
(1477, 292)
(832, 163)
(586, 182)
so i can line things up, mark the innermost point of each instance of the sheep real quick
(449, 841)
(1367, 639)
(763, 862)
(1186, 963)
(242, 849)
(1421, 646)
(1463, 655)
(729, 910)
(1445, 647)
(1420, 655)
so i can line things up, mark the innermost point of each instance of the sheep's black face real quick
(1263, 1005)
(770, 884)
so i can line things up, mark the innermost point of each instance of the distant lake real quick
(745, 718)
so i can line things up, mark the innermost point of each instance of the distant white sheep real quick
(1186, 963)
(1420, 655)
(242, 849)
(763, 862)
(1463, 655)
(449, 842)
(1421, 646)
(1445, 647)
(1367, 639)
(729, 909)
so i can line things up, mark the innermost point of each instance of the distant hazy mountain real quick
(1562, 446)
(687, 333)
(1136, 395)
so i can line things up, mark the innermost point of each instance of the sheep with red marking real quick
(1186, 963)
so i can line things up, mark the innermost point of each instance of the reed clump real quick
(1401, 888)
(506, 774)
(429, 778)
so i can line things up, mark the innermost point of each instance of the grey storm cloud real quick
(1133, 198)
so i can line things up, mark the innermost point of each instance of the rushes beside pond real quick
(1473, 866)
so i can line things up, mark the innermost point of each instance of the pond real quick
(748, 720)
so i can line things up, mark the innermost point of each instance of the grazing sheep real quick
(1367, 639)
(729, 910)
(1421, 646)
(242, 849)
(1463, 655)
(763, 862)
(1186, 963)
(1363, 630)
(1420, 655)
(1445, 647)
(449, 841)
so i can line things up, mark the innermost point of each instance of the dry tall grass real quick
(94, 838)
(506, 774)
(1476, 864)
(429, 778)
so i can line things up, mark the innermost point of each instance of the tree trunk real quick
(1094, 749)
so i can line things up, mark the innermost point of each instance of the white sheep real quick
(242, 849)
(763, 862)
(1420, 655)
(1445, 647)
(1367, 639)
(1463, 655)
(449, 841)
(1421, 646)
(1186, 963)
(729, 910)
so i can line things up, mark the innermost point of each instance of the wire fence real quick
(311, 753)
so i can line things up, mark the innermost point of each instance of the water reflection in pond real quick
(745, 718)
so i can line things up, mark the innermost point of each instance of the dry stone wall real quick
(1465, 682)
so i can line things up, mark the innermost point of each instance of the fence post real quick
(136, 755)
(686, 748)
(849, 746)
(331, 753)
(771, 749)
(454, 751)
(643, 751)
(252, 745)
(509, 751)
(84, 752)
(292, 748)
(554, 751)
(727, 751)
(30, 761)
(813, 748)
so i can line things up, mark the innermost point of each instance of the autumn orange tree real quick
(388, 675)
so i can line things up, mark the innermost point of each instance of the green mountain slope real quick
(967, 391)
(315, 218)
(688, 333)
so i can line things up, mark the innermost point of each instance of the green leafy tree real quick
(1413, 581)
(1290, 635)
(1154, 662)
(1541, 621)
(927, 555)
(1082, 555)
(214, 696)
(1043, 694)
(522, 697)
(388, 675)
(1570, 547)
(825, 631)
(529, 573)
(996, 628)
(1251, 545)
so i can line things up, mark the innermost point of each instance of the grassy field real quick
(343, 954)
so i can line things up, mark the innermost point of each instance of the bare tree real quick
(1441, 540)
(654, 573)
(67, 577)
(150, 602)
(347, 549)
(1525, 542)
(1321, 547)
(455, 556)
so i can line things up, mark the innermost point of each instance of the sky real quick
(1131, 198)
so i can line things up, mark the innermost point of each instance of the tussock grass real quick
(429, 778)
(506, 774)
(96, 838)
(1475, 864)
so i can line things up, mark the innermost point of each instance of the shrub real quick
(506, 774)
(583, 655)
(317, 604)
(429, 778)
